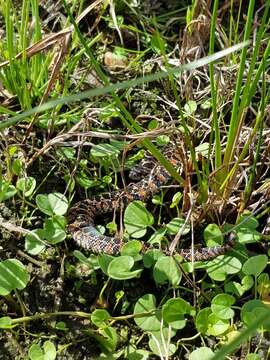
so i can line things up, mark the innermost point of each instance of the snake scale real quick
(81, 216)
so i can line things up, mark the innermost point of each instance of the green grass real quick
(22, 77)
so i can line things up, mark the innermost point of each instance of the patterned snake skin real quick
(81, 216)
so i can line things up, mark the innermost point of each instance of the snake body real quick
(81, 216)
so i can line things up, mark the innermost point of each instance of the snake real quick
(151, 176)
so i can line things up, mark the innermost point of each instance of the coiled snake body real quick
(82, 215)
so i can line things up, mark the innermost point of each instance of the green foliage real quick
(167, 269)
(34, 243)
(209, 323)
(53, 232)
(264, 285)
(52, 204)
(104, 261)
(173, 312)
(253, 357)
(5, 322)
(222, 266)
(150, 257)
(202, 353)
(237, 288)
(213, 235)
(99, 317)
(255, 265)
(147, 322)
(190, 107)
(157, 43)
(141, 303)
(137, 219)
(22, 78)
(121, 268)
(175, 224)
(161, 325)
(132, 248)
(176, 199)
(26, 185)
(107, 339)
(13, 275)
(47, 352)
(202, 320)
(254, 309)
(7, 190)
(91, 261)
(221, 306)
(160, 342)
(246, 230)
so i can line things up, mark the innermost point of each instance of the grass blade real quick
(121, 85)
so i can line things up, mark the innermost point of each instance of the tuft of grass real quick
(243, 95)
(21, 77)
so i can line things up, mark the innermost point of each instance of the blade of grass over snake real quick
(122, 85)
